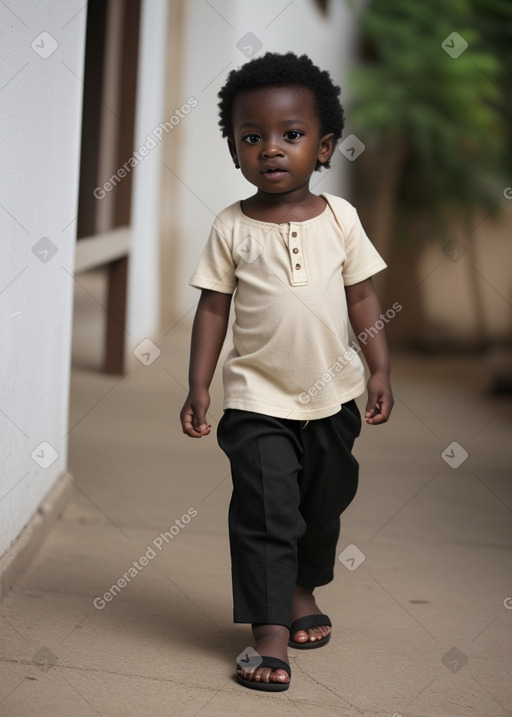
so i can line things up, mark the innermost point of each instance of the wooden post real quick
(115, 333)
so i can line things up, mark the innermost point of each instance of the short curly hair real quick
(285, 70)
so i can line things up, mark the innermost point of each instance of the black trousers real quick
(291, 482)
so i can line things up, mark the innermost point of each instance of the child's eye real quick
(251, 138)
(293, 134)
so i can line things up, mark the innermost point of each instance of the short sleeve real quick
(363, 259)
(215, 269)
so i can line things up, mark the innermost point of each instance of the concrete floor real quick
(422, 626)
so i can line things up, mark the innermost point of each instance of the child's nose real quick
(272, 150)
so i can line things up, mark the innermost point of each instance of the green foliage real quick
(495, 26)
(443, 112)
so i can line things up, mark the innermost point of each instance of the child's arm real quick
(364, 311)
(208, 333)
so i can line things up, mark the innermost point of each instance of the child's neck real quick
(283, 208)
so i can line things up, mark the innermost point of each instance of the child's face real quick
(277, 138)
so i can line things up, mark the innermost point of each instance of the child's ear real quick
(326, 148)
(232, 151)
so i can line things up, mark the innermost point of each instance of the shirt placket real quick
(299, 275)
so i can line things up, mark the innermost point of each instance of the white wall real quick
(143, 284)
(40, 126)
(208, 180)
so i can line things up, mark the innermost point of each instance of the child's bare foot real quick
(271, 641)
(304, 604)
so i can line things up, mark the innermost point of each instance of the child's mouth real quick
(275, 173)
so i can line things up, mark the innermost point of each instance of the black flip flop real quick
(302, 624)
(275, 664)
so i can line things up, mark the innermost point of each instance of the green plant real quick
(436, 112)
(431, 113)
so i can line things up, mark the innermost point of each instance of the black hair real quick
(288, 70)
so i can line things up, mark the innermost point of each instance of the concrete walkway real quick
(421, 604)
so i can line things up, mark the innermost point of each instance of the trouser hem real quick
(265, 616)
(307, 581)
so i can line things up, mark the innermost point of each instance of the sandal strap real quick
(274, 663)
(309, 621)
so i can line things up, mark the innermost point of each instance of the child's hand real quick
(380, 399)
(193, 414)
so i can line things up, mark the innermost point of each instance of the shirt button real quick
(297, 266)
(295, 251)
(294, 234)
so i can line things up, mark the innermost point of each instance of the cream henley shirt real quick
(291, 356)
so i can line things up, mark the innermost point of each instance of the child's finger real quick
(195, 428)
(202, 430)
(371, 414)
(373, 405)
(200, 423)
(385, 410)
(379, 414)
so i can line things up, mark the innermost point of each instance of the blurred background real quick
(113, 171)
